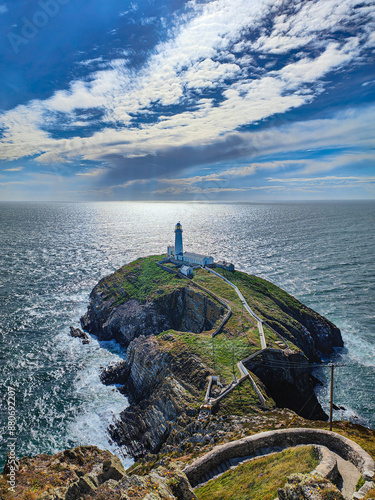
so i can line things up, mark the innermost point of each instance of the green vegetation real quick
(259, 479)
(267, 300)
(217, 352)
(360, 483)
(242, 401)
(141, 280)
(241, 323)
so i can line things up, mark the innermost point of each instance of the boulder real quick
(308, 487)
(78, 333)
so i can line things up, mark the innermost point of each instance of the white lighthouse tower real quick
(188, 258)
(178, 250)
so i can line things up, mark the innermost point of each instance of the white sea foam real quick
(99, 404)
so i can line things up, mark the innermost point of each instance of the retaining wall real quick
(285, 438)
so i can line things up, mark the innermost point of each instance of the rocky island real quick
(217, 359)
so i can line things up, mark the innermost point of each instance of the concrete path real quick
(246, 306)
(350, 475)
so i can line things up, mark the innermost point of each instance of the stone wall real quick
(347, 449)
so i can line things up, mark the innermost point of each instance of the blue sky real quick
(218, 100)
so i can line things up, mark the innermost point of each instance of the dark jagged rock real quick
(184, 309)
(287, 378)
(162, 385)
(78, 333)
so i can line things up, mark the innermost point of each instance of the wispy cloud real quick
(92, 173)
(10, 183)
(198, 56)
(325, 179)
(197, 190)
(15, 169)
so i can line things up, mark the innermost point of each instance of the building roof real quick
(186, 268)
(196, 255)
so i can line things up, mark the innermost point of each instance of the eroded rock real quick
(308, 487)
(78, 333)
(184, 309)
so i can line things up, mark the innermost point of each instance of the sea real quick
(53, 254)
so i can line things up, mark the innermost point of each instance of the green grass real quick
(240, 322)
(269, 302)
(141, 280)
(360, 483)
(242, 401)
(259, 479)
(217, 352)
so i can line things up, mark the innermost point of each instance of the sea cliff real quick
(166, 322)
(183, 336)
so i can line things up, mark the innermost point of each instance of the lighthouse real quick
(176, 253)
(178, 241)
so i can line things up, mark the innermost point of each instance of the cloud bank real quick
(215, 91)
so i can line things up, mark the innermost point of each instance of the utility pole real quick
(331, 398)
(242, 315)
(234, 373)
(213, 353)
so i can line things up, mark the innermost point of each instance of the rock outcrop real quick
(287, 378)
(88, 472)
(163, 382)
(79, 334)
(308, 487)
(184, 309)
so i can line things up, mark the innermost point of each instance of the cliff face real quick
(184, 309)
(163, 382)
(287, 378)
(310, 331)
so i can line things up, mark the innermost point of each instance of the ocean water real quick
(52, 254)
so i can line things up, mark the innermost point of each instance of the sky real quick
(169, 100)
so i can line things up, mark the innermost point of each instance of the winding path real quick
(246, 306)
(342, 458)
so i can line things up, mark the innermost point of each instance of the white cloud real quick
(196, 57)
(15, 169)
(92, 173)
(312, 20)
(326, 179)
(3, 9)
(197, 190)
(11, 183)
(195, 179)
